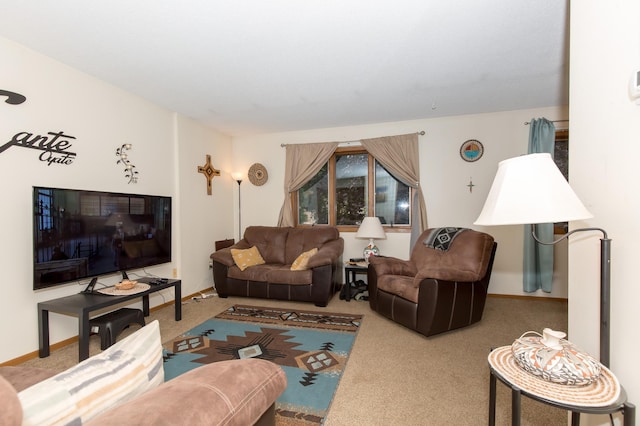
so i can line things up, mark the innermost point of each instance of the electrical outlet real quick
(175, 272)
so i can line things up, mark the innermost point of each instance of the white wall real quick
(204, 218)
(605, 134)
(444, 179)
(101, 118)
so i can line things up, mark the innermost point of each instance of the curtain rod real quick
(421, 133)
(526, 123)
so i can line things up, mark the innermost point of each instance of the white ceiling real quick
(256, 66)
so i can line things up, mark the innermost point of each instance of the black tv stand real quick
(82, 304)
(90, 286)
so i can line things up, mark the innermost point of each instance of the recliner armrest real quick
(392, 266)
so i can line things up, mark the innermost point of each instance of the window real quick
(347, 188)
(561, 158)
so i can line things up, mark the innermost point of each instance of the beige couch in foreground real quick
(124, 385)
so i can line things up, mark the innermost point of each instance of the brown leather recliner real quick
(442, 287)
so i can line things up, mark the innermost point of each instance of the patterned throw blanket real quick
(441, 238)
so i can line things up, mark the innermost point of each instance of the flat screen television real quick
(81, 234)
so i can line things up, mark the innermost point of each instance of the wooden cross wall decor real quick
(470, 185)
(209, 172)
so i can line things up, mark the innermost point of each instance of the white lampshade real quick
(371, 228)
(530, 189)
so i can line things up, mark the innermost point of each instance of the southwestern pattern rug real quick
(311, 347)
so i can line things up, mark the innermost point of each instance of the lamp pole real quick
(239, 180)
(605, 286)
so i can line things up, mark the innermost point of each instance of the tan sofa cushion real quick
(246, 258)
(301, 263)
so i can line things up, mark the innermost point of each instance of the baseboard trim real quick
(32, 355)
(524, 297)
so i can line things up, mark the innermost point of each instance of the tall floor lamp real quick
(238, 178)
(530, 189)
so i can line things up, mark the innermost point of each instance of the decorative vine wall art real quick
(130, 171)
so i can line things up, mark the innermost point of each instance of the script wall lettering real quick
(55, 146)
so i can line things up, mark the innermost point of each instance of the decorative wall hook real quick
(209, 172)
(129, 169)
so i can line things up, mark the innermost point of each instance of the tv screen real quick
(80, 234)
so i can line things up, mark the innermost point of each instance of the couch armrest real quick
(224, 256)
(11, 413)
(328, 254)
(233, 392)
(392, 266)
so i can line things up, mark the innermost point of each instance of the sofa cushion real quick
(247, 258)
(121, 372)
(303, 239)
(11, 413)
(466, 260)
(284, 275)
(399, 285)
(301, 262)
(270, 241)
(255, 273)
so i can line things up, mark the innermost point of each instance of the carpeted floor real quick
(394, 375)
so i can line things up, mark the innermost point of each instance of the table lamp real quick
(530, 189)
(371, 229)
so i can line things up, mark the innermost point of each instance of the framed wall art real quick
(471, 150)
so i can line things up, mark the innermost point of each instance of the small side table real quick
(605, 396)
(353, 270)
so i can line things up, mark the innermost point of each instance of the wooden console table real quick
(82, 304)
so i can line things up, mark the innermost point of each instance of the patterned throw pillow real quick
(301, 262)
(246, 258)
(129, 368)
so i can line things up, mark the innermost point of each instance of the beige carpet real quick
(395, 376)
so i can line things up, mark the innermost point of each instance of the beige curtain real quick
(400, 156)
(302, 163)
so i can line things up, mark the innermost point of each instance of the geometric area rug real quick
(311, 347)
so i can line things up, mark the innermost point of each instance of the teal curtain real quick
(538, 258)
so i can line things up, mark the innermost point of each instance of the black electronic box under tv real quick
(83, 234)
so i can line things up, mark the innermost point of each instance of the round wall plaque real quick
(471, 150)
(258, 174)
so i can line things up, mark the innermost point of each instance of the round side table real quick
(604, 396)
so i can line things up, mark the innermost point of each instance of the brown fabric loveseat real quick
(279, 247)
(437, 289)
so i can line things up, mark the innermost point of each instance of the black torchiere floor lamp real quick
(238, 178)
(530, 189)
